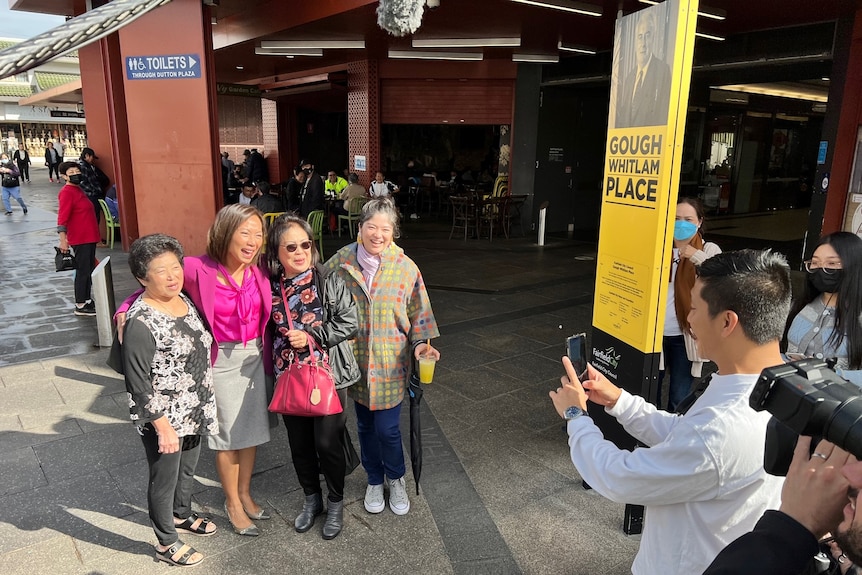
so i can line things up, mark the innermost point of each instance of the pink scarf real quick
(369, 264)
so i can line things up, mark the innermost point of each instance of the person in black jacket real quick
(311, 197)
(52, 160)
(326, 320)
(22, 159)
(256, 168)
(269, 200)
(814, 501)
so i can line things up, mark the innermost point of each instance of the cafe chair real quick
(354, 212)
(463, 215)
(315, 220)
(110, 223)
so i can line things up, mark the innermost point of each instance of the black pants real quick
(172, 477)
(95, 201)
(315, 447)
(24, 168)
(85, 257)
(53, 170)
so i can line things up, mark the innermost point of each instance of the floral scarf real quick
(305, 309)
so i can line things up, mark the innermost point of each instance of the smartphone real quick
(576, 349)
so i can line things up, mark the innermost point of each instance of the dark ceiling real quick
(539, 29)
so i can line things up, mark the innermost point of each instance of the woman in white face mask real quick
(825, 320)
(679, 351)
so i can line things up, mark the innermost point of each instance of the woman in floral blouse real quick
(395, 322)
(166, 357)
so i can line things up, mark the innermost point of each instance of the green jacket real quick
(398, 316)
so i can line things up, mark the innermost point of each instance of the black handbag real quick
(64, 261)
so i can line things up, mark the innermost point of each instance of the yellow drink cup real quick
(426, 369)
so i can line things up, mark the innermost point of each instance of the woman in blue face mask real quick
(825, 320)
(679, 351)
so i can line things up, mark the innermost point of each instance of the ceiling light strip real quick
(535, 58)
(287, 52)
(512, 42)
(705, 11)
(313, 44)
(574, 7)
(575, 48)
(426, 55)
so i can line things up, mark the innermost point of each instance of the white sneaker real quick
(398, 501)
(374, 502)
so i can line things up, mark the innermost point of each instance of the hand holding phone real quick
(576, 349)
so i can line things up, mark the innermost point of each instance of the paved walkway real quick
(498, 492)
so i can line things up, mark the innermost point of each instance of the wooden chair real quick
(110, 223)
(315, 220)
(463, 214)
(354, 212)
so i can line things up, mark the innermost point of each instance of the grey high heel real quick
(250, 531)
(261, 515)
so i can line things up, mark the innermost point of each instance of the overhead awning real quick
(68, 93)
(73, 34)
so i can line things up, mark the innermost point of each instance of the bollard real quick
(543, 210)
(103, 296)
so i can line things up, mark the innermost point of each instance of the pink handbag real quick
(305, 389)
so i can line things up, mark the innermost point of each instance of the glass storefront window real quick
(11, 136)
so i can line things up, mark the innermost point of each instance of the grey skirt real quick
(242, 397)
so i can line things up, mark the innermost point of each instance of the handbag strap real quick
(312, 345)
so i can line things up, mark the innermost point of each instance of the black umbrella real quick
(415, 391)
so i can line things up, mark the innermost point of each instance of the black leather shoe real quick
(334, 520)
(312, 507)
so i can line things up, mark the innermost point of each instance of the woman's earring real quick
(359, 239)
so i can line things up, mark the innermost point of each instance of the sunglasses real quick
(306, 245)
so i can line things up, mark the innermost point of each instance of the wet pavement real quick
(498, 492)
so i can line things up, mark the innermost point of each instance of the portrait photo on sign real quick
(642, 67)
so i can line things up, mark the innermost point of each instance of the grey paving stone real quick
(79, 508)
(466, 356)
(38, 394)
(10, 423)
(478, 383)
(13, 440)
(99, 450)
(529, 367)
(20, 472)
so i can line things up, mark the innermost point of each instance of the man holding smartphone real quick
(702, 477)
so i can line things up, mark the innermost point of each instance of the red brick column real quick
(363, 117)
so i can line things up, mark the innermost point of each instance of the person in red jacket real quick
(77, 227)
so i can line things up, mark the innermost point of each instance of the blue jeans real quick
(15, 193)
(676, 364)
(380, 443)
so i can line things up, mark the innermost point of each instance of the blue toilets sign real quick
(165, 67)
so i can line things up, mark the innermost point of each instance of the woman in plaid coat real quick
(395, 322)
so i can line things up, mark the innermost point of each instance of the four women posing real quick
(369, 291)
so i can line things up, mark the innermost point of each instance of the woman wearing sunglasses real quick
(825, 321)
(320, 309)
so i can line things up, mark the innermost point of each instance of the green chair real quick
(110, 223)
(354, 213)
(315, 220)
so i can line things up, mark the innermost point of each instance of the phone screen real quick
(576, 349)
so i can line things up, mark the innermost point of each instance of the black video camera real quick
(806, 397)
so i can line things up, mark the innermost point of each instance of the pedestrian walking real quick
(52, 160)
(21, 157)
(10, 184)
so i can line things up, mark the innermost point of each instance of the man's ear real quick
(731, 322)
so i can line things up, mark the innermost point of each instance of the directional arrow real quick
(192, 62)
